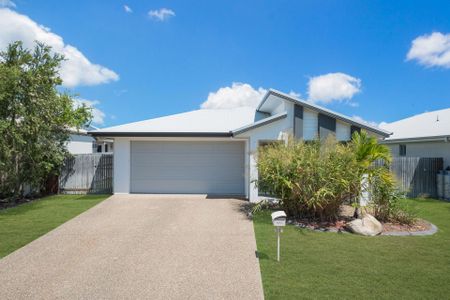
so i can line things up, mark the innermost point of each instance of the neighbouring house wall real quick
(424, 149)
(80, 144)
(102, 146)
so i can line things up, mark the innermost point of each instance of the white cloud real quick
(161, 14)
(294, 94)
(238, 95)
(7, 3)
(371, 123)
(98, 116)
(383, 125)
(331, 87)
(119, 93)
(431, 50)
(75, 70)
(127, 9)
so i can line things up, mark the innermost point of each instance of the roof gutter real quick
(159, 134)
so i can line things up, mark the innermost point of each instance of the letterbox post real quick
(278, 220)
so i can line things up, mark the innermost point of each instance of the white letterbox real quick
(279, 218)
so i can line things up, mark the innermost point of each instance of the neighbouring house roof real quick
(320, 109)
(82, 131)
(202, 122)
(432, 125)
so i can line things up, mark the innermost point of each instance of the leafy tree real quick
(35, 118)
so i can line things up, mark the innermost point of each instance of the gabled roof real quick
(426, 126)
(202, 122)
(323, 110)
(260, 123)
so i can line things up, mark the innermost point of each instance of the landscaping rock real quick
(367, 225)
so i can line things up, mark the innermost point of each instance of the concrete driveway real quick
(141, 247)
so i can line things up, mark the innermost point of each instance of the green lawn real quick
(23, 224)
(330, 265)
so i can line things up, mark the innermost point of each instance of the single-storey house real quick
(80, 142)
(423, 135)
(213, 151)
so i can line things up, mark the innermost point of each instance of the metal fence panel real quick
(416, 175)
(87, 174)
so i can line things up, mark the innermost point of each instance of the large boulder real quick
(367, 225)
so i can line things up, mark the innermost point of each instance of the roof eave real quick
(160, 134)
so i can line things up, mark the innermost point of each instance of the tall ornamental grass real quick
(311, 179)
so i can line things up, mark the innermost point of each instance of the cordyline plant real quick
(313, 179)
(35, 118)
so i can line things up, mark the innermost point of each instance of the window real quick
(99, 148)
(106, 148)
(402, 150)
(264, 143)
(261, 189)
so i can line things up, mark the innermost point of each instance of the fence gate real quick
(87, 174)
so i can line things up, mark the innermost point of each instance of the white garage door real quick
(187, 167)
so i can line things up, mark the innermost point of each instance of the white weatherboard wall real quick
(310, 124)
(342, 131)
(277, 130)
(424, 149)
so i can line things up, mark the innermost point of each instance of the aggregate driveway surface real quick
(141, 247)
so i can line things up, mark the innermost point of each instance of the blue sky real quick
(158, 66)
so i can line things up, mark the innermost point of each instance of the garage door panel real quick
(189, 187)
(141, 173)
(187, 167)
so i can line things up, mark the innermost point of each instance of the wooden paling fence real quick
(87, 174)
(417, 176)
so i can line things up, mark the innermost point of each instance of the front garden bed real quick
(417, 227)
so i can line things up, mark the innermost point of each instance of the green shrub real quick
(311, 179)
(387, 202)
